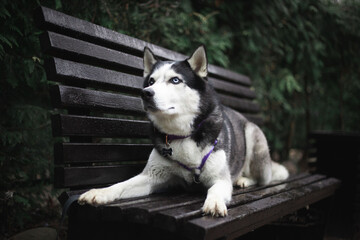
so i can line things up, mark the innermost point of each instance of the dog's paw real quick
(244, 182)
(96, 197)
(215, 206)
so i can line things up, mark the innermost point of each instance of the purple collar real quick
(169, 137)
(197, 170)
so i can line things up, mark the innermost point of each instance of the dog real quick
(196, 139)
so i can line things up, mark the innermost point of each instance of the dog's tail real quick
(279, 172)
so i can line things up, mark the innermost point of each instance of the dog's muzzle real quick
(147, 93)
(147, 96)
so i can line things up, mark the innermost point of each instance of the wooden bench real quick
(95, 79)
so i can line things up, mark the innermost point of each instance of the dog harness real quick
(197, 170)
(167, 152)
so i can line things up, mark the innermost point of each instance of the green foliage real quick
(25, 135)
(175, 25)
(288, 48)
(303, 57)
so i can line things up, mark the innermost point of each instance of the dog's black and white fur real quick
(179, 101)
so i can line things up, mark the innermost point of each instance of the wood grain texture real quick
(149, 209)
(68, 25)
(72, 125)
(81, 51)
(231, 88)
(173, 218)
(70, 153)
(248, 217)
(242, 105)
(82, 177)
(250, 208)
(190, 205)
(72, 97)
(75, 74)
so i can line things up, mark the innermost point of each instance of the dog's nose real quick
(147, 93)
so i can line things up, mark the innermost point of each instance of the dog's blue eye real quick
(151, 81)
(175, 80)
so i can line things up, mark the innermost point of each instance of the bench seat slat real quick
(70, 153)
(72, 97)
(73, 125)
(60, 22)
(247, 217)
(191, 204)
(171, 218)
(161, 197)
(74, 73)
(156, 202)
(80, 177)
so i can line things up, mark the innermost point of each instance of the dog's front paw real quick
(215, 206)
(96, 197)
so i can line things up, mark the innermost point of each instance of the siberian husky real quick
(195, 138)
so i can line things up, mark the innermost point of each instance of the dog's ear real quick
(149, 61)
(198, 62)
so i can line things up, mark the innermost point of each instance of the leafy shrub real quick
(25, 135)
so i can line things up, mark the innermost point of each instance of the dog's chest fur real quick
(187, 151)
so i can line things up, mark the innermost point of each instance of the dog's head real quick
(174, 88)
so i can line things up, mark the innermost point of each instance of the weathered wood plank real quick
(229, 75)
(174, 216)
(59, 22)
(72, 97)
(70, 153)
(248, 217)
(72, 125)
(77, 50)
(242, 105)
(232, 89)
(65, 97)
(146, 211)
(182, 192)
(81, 177)
(74, 73)
(255, 118)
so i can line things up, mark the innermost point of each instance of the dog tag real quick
(166, 152)
(196, 179)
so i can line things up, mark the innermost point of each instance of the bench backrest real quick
(95, 79)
